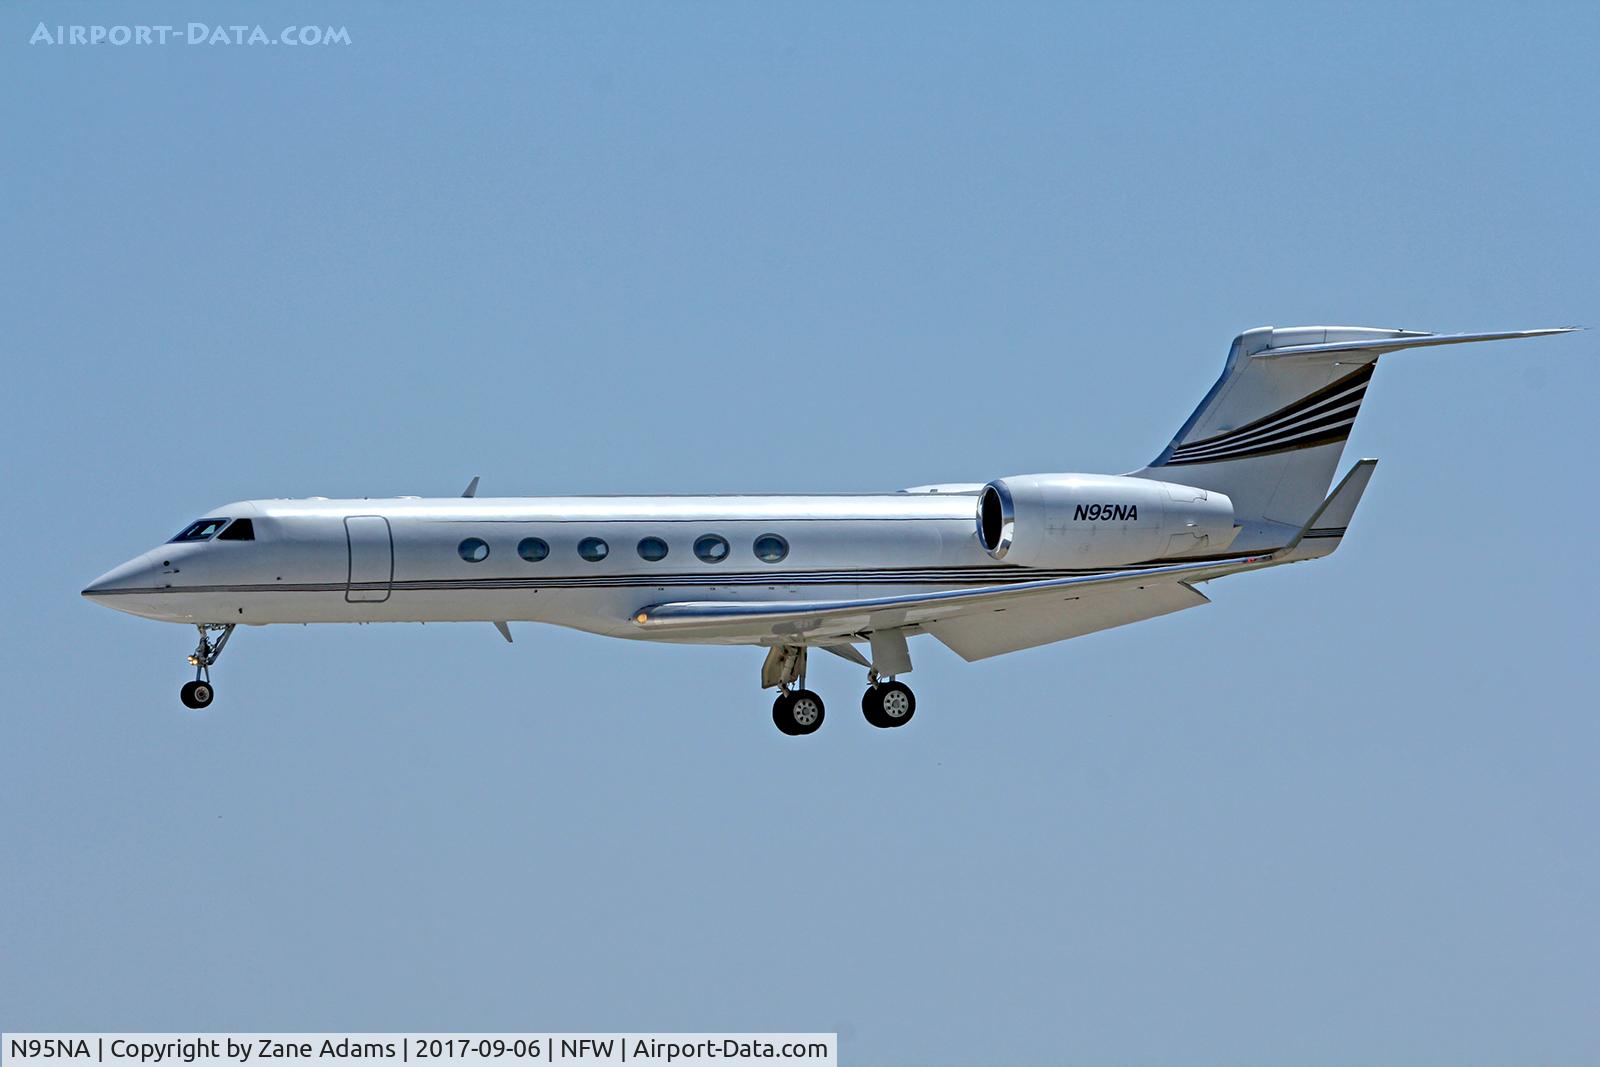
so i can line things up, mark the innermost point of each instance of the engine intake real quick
(997, 515)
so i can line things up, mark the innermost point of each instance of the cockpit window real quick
(203, 530)
(238, 530)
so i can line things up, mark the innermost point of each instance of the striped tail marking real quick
(1323, 417)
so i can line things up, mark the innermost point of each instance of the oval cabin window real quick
(770, 548)
(711, 548)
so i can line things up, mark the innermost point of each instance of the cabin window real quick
(593, 549)
(770, 548)
(200, 530)
(533, 549)
(473, 550)
(652, 549)
(711, 548)
(238, 530)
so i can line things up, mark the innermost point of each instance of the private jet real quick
(984, 569)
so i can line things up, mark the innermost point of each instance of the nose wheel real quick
(888, 704)
(196, 694)
(199, 693)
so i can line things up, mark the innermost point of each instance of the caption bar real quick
(425, 1050)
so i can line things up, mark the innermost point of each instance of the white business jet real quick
(985, 569)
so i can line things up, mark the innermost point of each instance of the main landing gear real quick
(886, 705)
(198, 693)
(798, 711)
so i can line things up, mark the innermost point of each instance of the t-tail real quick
(1270, 433)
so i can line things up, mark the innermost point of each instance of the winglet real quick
(1333, 514)
(505, 631)
(472, 487)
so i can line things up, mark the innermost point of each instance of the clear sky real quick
(1346, 814)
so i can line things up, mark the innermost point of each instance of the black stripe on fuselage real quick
(900, 576)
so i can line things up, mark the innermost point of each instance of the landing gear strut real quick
(198, 693)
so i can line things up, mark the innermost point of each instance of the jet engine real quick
(1088, 521)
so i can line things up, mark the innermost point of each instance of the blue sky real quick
(1346, 814)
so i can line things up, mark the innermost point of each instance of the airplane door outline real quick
(371, 547)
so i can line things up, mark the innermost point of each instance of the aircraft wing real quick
(1043, 621)
(1123, 596)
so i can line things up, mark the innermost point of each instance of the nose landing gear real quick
(198, 693)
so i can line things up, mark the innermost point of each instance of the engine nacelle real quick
(1071, 521)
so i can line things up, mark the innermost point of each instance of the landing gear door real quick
(371, 559)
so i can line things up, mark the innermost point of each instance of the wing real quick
(1028, 624)
(1120, 596)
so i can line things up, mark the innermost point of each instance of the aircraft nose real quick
(141, 586)
(120, 579)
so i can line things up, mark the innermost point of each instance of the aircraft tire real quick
(780, 715)
(196, 695)
(894, 703)
(872, 708)
(798, 713)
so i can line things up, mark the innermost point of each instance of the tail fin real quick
(1270, 433)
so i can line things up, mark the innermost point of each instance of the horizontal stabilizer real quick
(1375, 347)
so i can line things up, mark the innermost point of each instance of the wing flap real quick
(807, 622)
(999, 630)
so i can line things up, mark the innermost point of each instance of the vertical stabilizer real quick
(1270, 433)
